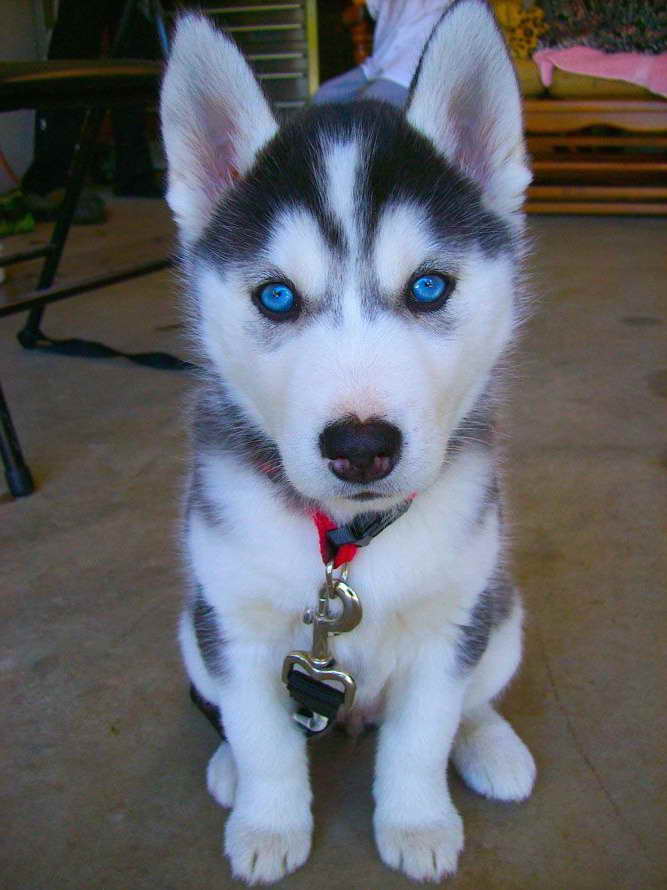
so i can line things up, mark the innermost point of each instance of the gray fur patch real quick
(209, 634)
(493, 606)
(199, 500)
(491, 497)
(271, 335)
(477, 427)
(220, 426)
(374, 301)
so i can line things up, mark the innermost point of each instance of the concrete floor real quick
(104, 758)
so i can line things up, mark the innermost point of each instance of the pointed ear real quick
(215, 119)
(465, 98)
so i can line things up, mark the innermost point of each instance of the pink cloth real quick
(640, 68)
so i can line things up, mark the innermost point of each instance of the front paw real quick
(260, 854)
(425, 852)
(493, 761)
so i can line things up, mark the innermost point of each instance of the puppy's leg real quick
(221, 771)
(269, 831)
(221, 776)
(488, 754)
(417, 828)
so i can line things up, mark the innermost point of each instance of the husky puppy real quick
(353, 285)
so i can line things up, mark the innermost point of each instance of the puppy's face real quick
(353, 272)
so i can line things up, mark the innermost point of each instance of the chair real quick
(280, 42)
(95, 86)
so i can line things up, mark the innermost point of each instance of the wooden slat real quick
(599, 192)
(629, 208)
(560, 115)
(593, 164)
(623, 141)
(585, 105)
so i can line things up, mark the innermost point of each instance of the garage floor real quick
(103, 756)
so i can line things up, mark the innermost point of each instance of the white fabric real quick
(402, 28)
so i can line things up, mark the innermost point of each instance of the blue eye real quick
(429, 288)
(276, 298)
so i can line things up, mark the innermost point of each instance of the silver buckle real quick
(319, 663)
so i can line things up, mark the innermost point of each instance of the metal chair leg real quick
(19, 478)
(17, 472)
(30, 333)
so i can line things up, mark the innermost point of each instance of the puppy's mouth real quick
(380, 494)
(364, 493)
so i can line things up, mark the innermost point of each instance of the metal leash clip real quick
(309, 675)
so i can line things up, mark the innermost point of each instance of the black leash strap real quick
(365, 527)
(315, 700)
(91, 349)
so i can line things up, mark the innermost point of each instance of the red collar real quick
(340, 543)
(346, 553)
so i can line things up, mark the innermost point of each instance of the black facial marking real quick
(209, 634)
(372, 298)
(492, 608)
(396, 164)
(332, 231)
(288, 173)
(402, 166)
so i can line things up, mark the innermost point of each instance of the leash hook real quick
(318, 665)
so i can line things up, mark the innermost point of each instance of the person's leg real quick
(134, 174)
(133, 168)
(77, 35)
(386, 90)
(343, 88)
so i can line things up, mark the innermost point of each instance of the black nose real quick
(361, 452)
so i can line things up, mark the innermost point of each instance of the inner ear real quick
(215, 119)
(469, 145)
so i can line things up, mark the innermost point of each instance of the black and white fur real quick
(348, 203)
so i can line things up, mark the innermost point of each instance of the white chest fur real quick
(260, 567)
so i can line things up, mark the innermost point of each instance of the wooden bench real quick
(600, 149)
